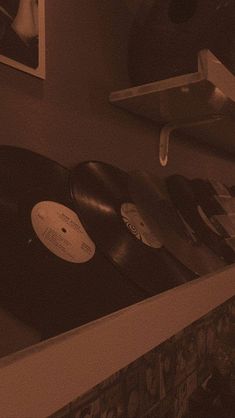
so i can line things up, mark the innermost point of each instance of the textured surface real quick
(164, 381)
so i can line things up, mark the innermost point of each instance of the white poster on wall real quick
(22, 35)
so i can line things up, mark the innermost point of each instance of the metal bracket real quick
(166, 131)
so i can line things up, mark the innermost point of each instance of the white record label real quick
(61, 231)
(137, 226)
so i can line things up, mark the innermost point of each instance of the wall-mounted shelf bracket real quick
(167, 129)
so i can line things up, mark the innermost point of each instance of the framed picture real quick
(22, 35)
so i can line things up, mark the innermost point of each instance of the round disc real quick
(101, 195)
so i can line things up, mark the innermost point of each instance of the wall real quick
(68, 117)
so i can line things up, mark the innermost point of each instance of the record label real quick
(61, 231)
(137, 226)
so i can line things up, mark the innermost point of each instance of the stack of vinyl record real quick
(219, 205)
(209, 208)
(102, 198)
(171, 212)
(79, 244)
(53, 276)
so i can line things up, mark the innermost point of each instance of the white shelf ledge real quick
(42, 379)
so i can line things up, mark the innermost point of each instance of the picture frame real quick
(22, 35)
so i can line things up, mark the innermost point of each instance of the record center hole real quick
(63, 230)
(182, 10)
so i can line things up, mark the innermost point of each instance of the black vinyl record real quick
(168, 34)
(101, 195)
(232, 190)
(218, 203)
(192, 209)
(149, 192)
(213, 197)
(52, 275)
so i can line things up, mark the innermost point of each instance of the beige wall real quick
(68, 117)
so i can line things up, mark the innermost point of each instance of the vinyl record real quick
(232, 190)
(52, 275)
(101, 195)
(192, 210)
(214, 198)
(168, 34)
(153, 202)
(218, 204)
(21, 172)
